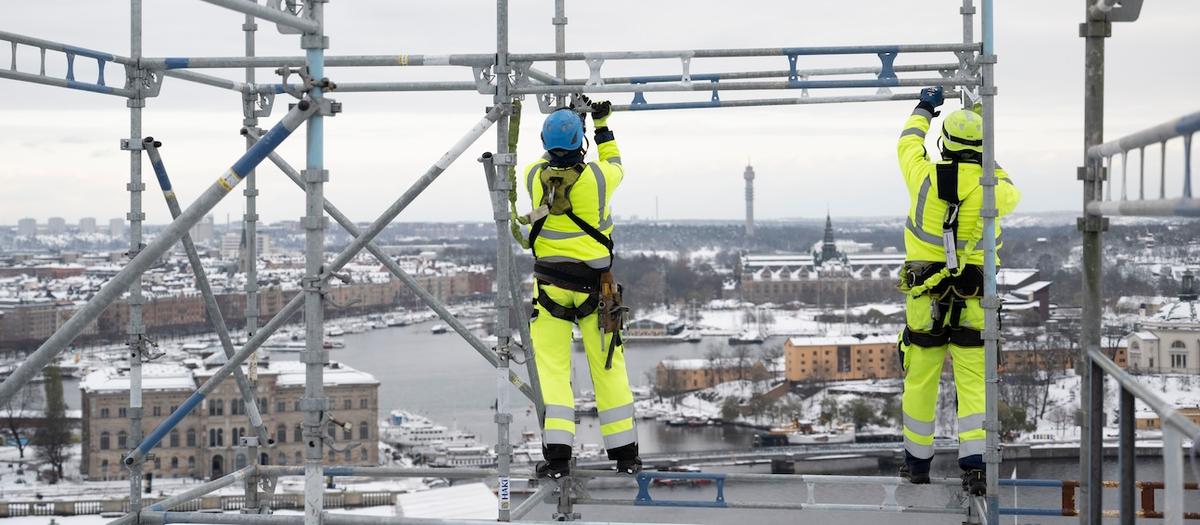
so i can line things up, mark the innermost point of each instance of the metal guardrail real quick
(1097, 203)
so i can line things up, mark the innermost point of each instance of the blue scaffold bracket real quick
(100, 76)
(715, 96)
(639, 98)
(645, 478)
(887, 69)
(70, 66)
(793, 77)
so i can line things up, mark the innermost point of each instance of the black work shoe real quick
(974, 482)
(553, 469)
(629, 466)
(917, 478)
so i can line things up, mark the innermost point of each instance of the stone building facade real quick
(843, 358)
(206, 444)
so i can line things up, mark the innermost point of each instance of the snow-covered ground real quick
(1057, 420)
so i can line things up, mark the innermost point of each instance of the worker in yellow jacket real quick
(573, 251)
(944, 285)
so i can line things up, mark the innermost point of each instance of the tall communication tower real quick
(749, 176)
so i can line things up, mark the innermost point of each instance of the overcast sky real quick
(61, 152)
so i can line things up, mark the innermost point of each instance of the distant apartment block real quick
(841, 358)
(27, 227)
(56, 226)
(685, 375)
(206, 443)
(87, 225)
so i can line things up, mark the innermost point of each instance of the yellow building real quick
(841, 358)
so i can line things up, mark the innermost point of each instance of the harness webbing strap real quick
(583, 225)
(567, 313)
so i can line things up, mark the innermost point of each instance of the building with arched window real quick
(207, 442)
(1169, 341)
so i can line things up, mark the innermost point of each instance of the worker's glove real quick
(600, 112)
(931, 98)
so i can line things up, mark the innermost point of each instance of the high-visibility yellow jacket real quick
(923, 229)
(591, 200)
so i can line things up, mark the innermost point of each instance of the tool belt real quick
(604, 298)
(948, 294)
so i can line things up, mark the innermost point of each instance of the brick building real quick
(685, 375)
(841, 358)
(206, 443)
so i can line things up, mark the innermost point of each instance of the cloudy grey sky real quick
(61, 155)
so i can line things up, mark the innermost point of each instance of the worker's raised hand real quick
(934, 96)
(600, 111)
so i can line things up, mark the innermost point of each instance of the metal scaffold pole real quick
(1092, 225)
(314, 404)
(137, 330)
(250, 260)
(498, 183)
(991, 303)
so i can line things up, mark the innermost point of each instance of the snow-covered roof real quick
(291, 373)
(1032, 288)
(1178, 312)
(837, 340)
(1014, 276)
(1145, 336)
(701, 364)
(155, 376)
(470, 501)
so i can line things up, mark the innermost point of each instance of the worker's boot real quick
(974, 482)
(629, 466)
(627, 459)
(916, 478)
(553, 469)
(557, 463)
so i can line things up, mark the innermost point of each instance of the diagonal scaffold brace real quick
(150, 254)
(297, 302)
(210, 300)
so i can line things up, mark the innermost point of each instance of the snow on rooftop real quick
(1014, 276)
(291, 373)
(836, 340)
(1182, 312)
(469, 501)
(155, 376)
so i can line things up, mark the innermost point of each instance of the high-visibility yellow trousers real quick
(923, 372)
(552, 353)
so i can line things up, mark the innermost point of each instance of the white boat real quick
(529, 450)
(478, 456)
(439, 329)
(829, 436)
(334, 331)
(748, 337)
(412, 431)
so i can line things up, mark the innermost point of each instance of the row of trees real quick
(38, 418)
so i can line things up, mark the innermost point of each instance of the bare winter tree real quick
(741, 356)
(714, 355)
(16, 415)
(53, 438)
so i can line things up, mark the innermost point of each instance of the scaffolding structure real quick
(1098, 205)
(967, 69)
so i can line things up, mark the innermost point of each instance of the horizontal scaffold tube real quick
(547, 78)
(62, 82)
(1165, 410)
(1177, 207)
(399, 273)
(293, 306)
(190, 494)
(1185, 125)
(744, 86)
(65, 48)
(747, 52)
(390, 472)
(327, 518)
(330, 61)
(150, 255)
(649, 106)
(773, 505)
(779, 478)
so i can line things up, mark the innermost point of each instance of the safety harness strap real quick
(566, 313)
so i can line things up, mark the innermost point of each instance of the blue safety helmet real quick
(563, 130)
